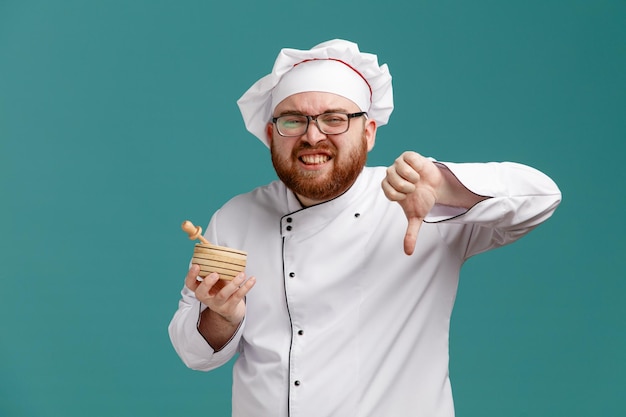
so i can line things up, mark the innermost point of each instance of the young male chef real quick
(352, 271)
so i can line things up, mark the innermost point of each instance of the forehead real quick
(314, 102)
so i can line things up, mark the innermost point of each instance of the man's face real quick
(315, 166)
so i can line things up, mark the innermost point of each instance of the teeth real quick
(314, 159)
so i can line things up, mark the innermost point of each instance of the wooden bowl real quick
(225, 261)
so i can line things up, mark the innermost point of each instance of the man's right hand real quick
(225, 302)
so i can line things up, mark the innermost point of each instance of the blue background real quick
(118, 121)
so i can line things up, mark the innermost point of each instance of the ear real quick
(370, 133)
(269, 132)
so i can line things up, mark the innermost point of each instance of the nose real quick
(313, 134)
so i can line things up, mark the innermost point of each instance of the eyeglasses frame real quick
(314, 118)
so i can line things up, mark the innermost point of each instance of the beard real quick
(312, 185)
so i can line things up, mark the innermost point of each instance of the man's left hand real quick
(413, 181)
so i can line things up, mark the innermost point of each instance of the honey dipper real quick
(194, 232)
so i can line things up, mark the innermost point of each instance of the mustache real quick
(319, 146)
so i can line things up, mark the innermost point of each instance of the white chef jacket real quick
(341, 322)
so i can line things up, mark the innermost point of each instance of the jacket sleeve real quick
(521, 198)
(192, 348)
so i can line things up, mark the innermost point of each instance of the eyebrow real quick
(299, 113)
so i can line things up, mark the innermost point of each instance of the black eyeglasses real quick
(327, 123)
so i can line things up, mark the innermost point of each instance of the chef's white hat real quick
(335, 66)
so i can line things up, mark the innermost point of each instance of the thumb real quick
(411, 234)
